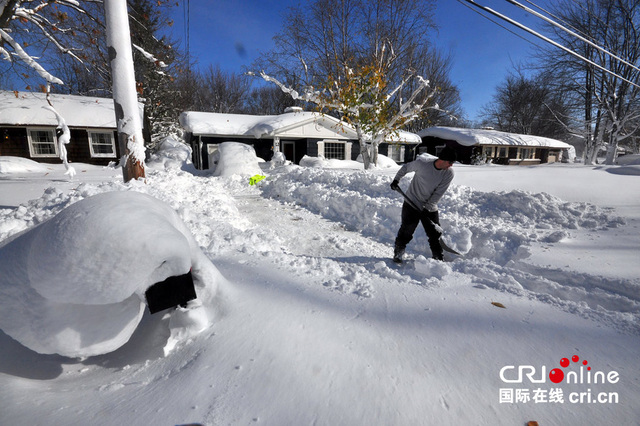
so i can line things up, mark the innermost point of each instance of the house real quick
(28, 127)
(480, 145)
(295, 133)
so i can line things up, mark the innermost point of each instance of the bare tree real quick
(220, 91)
(322, 38)
(605, 90)
(125, 100)
(366, 100)
(267, 100)
(528, 105)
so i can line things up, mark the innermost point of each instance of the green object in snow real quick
(255, 179)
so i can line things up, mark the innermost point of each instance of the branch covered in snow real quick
(149, 56)
(362, 98)
(28, 59)
(63, 140)
(50, 21)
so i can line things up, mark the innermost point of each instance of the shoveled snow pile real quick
(234, 158)
(19, 165)
(172, 154)
(498, 225)
(75, 284)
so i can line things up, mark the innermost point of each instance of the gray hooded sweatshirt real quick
(428, 185)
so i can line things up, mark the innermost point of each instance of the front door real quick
(289, 150)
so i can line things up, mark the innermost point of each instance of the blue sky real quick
(232, 33)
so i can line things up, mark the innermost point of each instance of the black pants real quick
(410, 219)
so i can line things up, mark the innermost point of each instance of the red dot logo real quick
(556, 375)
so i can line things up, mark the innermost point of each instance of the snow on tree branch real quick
(63, 139)
(45, 19)
(28, 59)
(150, 57)
(42, 23)
(362, 99)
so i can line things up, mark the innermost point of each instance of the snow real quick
(469, 137)
(257, 126)
(30, 108)
(301, 316)
(61, 299)
(10, 165)
(234, 158)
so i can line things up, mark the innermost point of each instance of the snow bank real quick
(384, 162)
(632, 169)
(496, 224)
(234, 158)
(75, 284)
(332, 163)
(20, 165)
(171, 154)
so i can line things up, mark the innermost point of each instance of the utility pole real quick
(125, 97)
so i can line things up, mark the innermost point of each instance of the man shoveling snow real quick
(431, 180)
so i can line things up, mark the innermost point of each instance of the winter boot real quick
(398, 252)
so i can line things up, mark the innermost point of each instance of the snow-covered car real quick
(75, 285)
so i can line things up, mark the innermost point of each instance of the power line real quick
(568, 31)
(548, 40)
(186, 12)
(496, 22)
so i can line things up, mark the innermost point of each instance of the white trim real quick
(32, 148)
(92, 132)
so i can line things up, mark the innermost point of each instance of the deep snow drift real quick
(313, 323)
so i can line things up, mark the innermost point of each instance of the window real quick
(334, 150)
(503, 152)
(488, 151)
(102, 144)
(396, 153)
(42, 142)
(527, 153)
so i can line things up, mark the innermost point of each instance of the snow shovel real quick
(444, 245)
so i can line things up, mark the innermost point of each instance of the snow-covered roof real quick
(290, 124)
(259, 126)
(402, 136)
(470, 137)
(30, 108)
